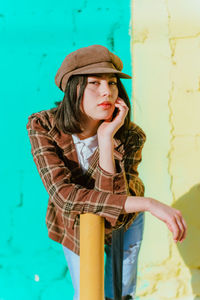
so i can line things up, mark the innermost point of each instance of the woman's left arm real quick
(106, 155)
(108, 179)
(127, 181)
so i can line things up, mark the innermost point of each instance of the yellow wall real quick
(166, 95)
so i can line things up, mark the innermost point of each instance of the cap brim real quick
(61, 82)
(101, 71)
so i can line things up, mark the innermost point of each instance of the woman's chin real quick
(108, 116)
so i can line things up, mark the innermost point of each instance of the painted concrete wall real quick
(35, 38)
(166, 67)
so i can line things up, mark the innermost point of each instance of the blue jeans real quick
(132, 242)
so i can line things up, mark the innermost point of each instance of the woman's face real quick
(100, 94)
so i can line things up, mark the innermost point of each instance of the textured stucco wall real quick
(35, 38)
(166, 68)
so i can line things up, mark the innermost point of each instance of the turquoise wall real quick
(35, 38)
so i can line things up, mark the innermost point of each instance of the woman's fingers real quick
(185, 227)
(111, 125)
(120, 103)
(171, 216)
(178, 227)
(181, 225)
(123, 108)
(175, 231)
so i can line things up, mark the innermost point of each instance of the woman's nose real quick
(105, 89)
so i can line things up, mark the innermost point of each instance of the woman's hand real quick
(171, 217)
(106, 132)
(108, 128)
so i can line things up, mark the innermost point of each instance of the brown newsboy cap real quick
(95, 59)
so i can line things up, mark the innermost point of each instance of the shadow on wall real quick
(189, 205)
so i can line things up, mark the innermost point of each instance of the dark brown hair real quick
(68, 116)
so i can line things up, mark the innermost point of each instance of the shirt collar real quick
(90, 142)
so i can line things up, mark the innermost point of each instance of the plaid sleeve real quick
(68, 197)
(127, 181)
(133, 157)
(110, 183)
(115, 184)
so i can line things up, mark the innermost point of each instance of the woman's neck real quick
(90, 129)
(84, 136)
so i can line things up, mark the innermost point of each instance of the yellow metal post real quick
(91, 257)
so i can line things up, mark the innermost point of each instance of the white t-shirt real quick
(85, 148)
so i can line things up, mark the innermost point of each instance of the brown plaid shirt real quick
(71, 192)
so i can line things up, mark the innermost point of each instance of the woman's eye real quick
(97, 82)
(93, 82)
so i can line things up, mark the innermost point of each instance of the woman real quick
(87, 152)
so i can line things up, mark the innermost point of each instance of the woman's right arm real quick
(169, 215)
(68, 197)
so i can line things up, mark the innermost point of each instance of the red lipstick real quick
(105, 104)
